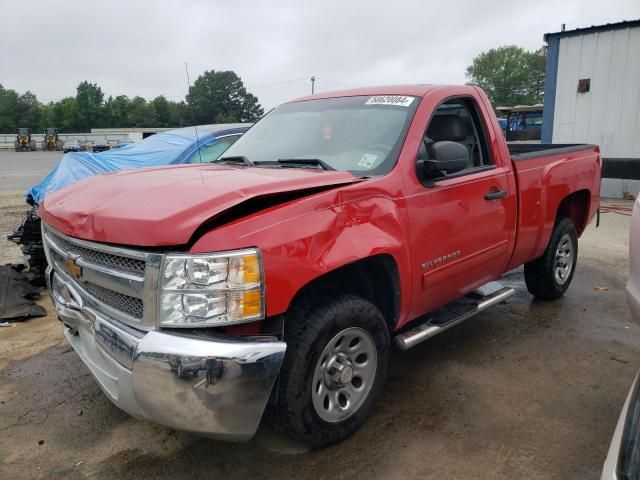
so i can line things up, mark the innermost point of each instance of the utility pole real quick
(313, 83)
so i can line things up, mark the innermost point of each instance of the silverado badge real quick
(440, 260)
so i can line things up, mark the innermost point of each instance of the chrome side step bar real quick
(453, 314)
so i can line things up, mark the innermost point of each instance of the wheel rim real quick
(344, 375)
(564, 259)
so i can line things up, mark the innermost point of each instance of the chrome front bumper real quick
(211, 385)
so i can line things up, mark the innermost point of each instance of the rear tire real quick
(333, 371)
(549, 276)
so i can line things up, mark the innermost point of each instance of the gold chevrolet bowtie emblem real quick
(73, 268)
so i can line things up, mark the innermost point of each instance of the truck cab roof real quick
(415, 90)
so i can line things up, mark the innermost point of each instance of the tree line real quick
(215, 97)
(509, 75)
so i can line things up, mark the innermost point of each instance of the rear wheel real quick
(549, 276)
(334, 369)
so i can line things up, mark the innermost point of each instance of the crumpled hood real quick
(164, 206)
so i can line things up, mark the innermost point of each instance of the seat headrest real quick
(446, 127)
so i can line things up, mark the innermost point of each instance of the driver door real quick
(460, 223)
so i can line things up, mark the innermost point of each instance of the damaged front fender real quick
(314, 235)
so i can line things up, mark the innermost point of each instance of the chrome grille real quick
(118, 282)
(109, 260)
(124, 303)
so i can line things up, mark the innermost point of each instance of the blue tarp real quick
(166, 148)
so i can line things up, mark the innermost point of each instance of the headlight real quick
(211, 290)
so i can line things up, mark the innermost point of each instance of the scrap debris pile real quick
(17, 295)
(29, 237)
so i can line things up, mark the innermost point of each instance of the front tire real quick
(333, 371)
(549, 276)
(180, 371)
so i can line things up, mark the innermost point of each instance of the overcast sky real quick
(140, 47)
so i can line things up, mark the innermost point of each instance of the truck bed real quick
(551, 172)
(527, 151)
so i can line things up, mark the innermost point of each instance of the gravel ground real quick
(527, 389)
(12, 210)
(20, 170)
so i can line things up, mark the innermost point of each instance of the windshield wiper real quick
(304, 162)
(237, 160)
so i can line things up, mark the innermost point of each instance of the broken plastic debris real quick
(17, 296)
(600, 289)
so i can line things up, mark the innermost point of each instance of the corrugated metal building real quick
(592, 95)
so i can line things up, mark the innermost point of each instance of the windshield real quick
(361, 135)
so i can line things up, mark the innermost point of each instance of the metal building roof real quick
(594, 28)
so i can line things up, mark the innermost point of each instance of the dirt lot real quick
(18, 171)
(526, 390)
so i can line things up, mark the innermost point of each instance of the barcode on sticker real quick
(399, 100)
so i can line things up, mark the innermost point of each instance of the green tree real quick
(178, 114)
(142, 113)
(163, 114)
(219, 97)
(65, 115)
(89, 105)
(8, 110)
(28, 111)
(46, 115)
(509, 75)
(119, 109)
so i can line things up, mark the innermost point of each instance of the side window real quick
(532, 121)
(457, 120)
(213, 152)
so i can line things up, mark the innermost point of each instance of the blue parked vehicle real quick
(167, 148)
(523, 123)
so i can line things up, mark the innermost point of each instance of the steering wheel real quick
(386, 149)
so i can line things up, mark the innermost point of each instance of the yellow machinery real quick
(51, 141)
(23, 141)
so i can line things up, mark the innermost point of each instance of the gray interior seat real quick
(446, 127)
(450, 128)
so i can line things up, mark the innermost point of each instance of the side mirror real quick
(447, 158)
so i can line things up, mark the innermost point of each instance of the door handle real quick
(494, 194)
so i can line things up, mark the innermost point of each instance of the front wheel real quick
(549, 276)
(334, 369)
(180, 371)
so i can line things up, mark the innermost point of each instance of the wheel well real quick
(575, 207)
(374, 278)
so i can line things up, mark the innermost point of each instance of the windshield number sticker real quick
(398, 100)
(367, 160)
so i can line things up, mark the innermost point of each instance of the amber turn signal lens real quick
(251, 269)
(251, 303)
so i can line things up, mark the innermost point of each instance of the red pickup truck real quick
(277, 277)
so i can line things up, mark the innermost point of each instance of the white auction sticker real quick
(399, 100)
(367, 160)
